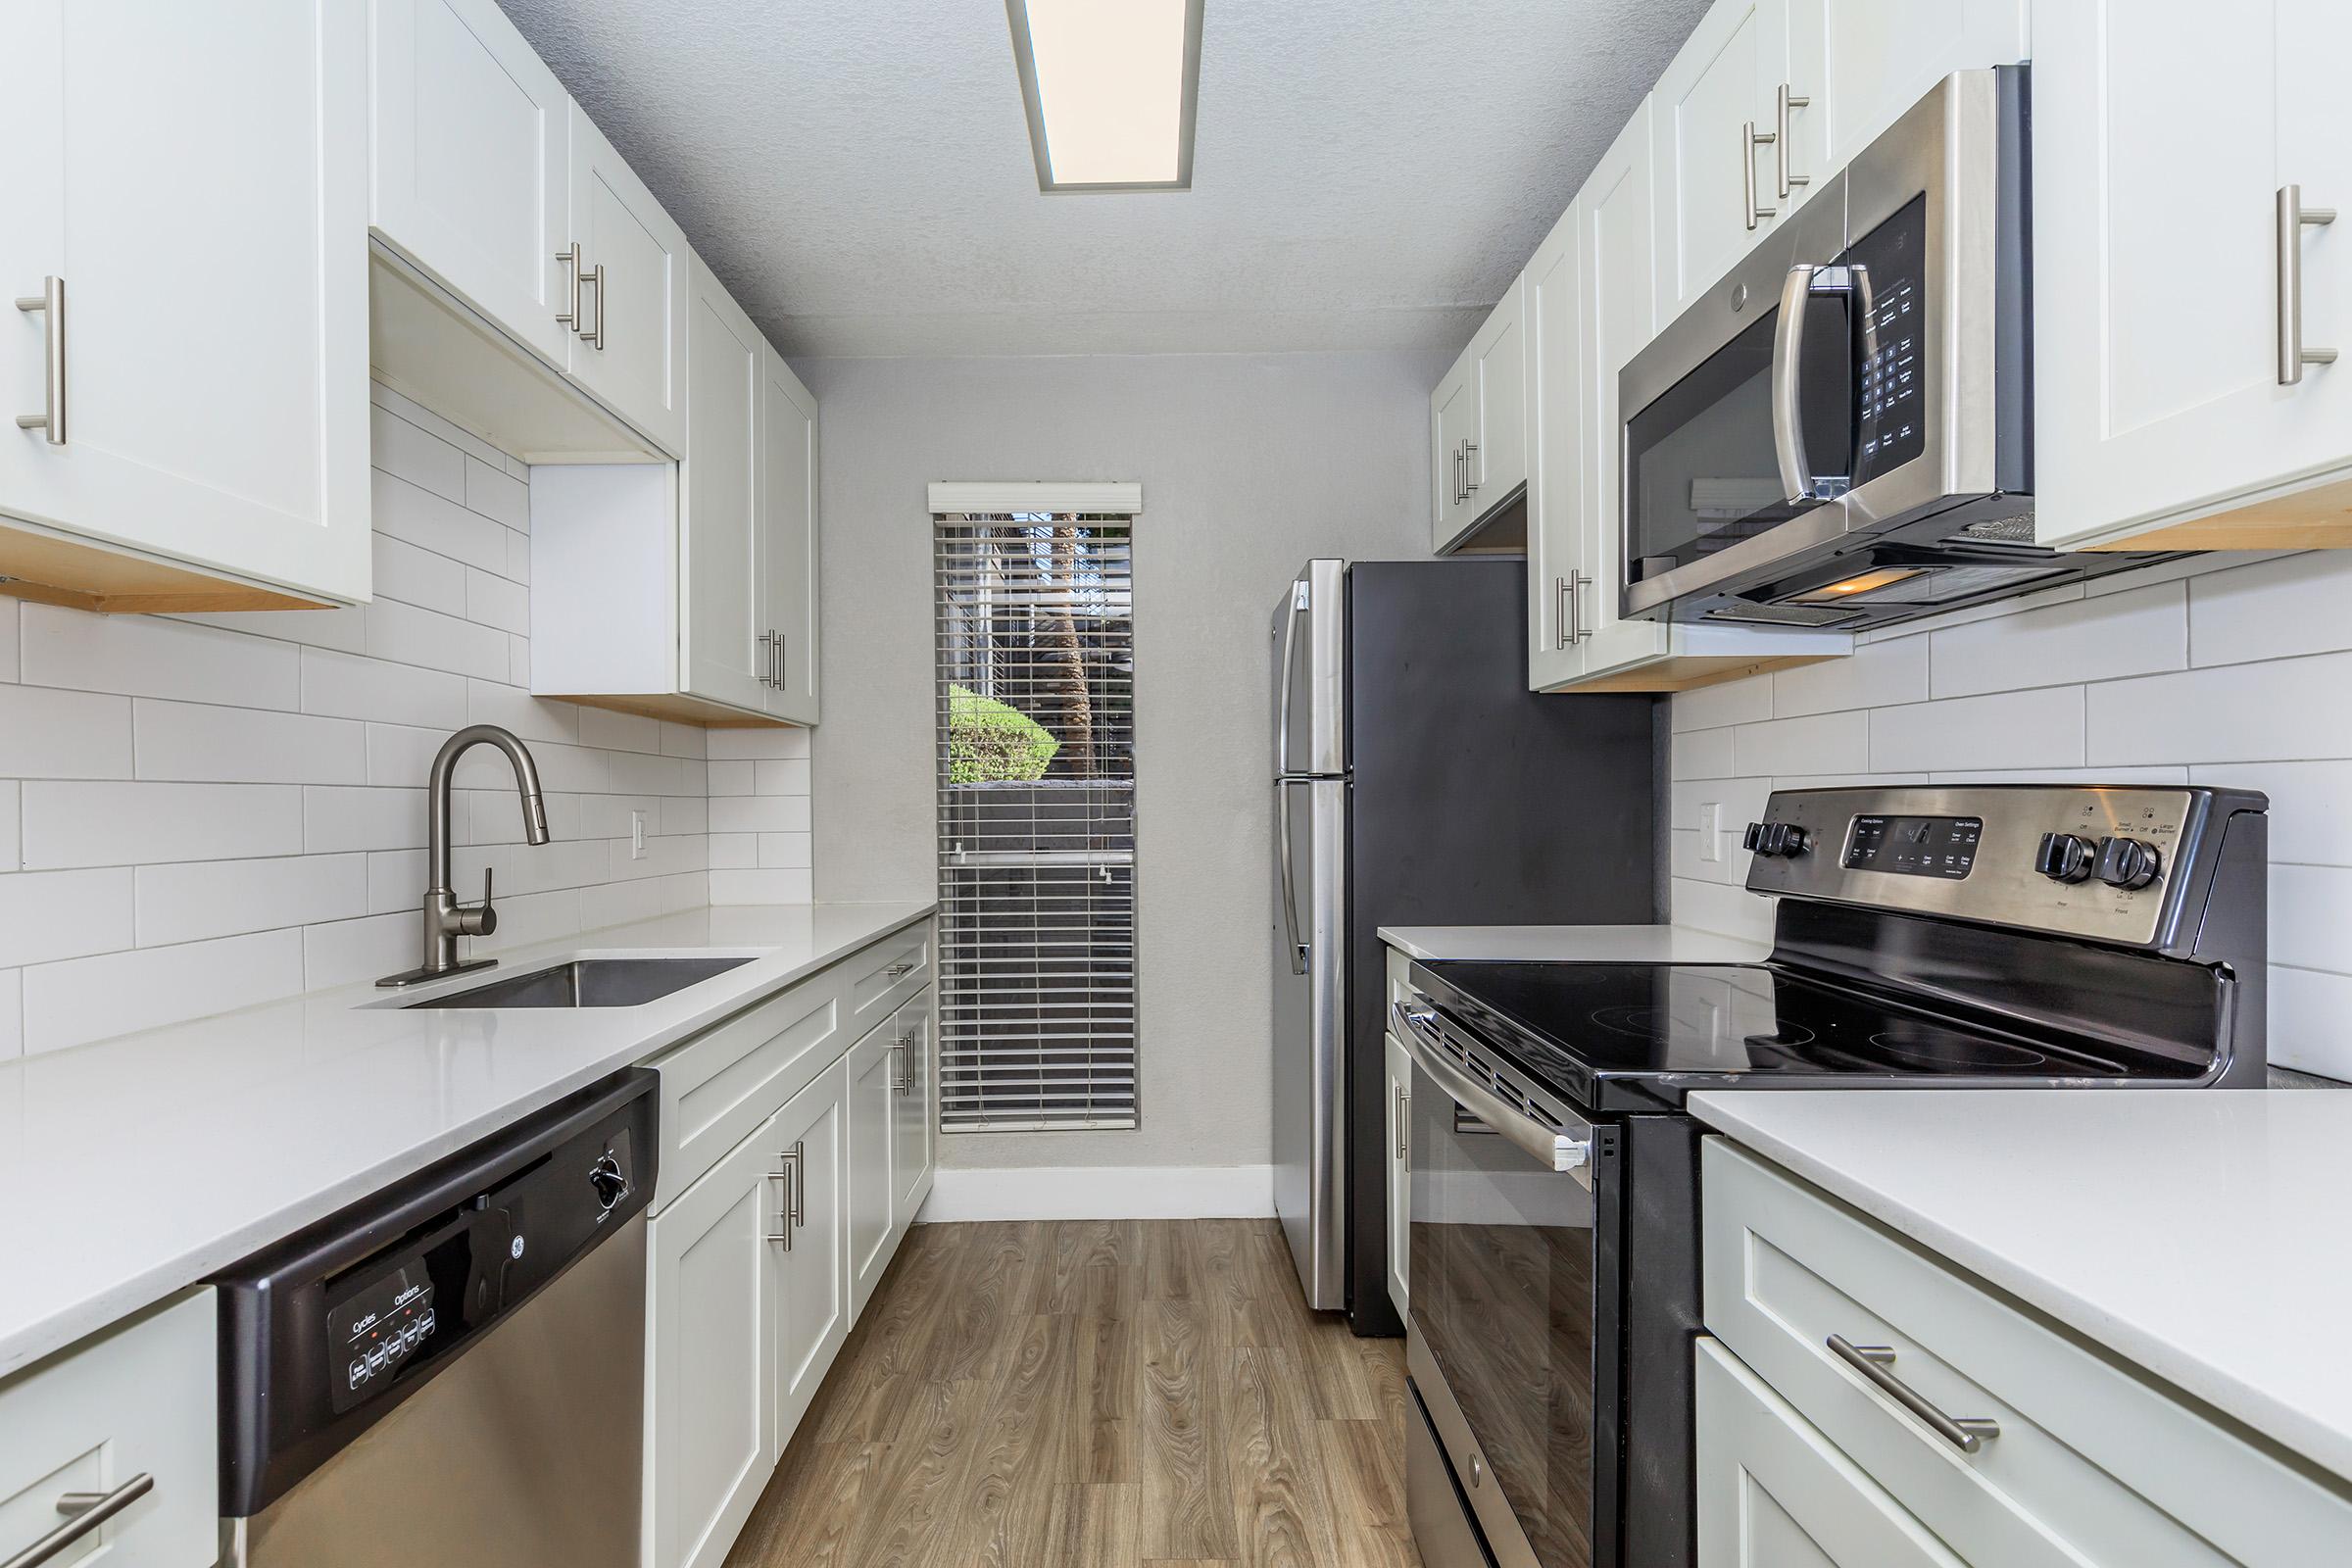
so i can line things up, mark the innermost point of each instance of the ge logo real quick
(514, 1248)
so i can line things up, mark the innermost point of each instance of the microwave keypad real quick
(1891, 410)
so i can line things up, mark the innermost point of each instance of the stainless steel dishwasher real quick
(452, 1370)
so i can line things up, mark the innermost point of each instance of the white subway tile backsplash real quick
(197, 743)
(761, 887)
(760, 813)
(1873, 675)
(2136, 633)
(103, 823)
(730, 779)
(81, 1000)
(1822, 743)
(1695, 754)
(2040, 728)
(202, 812)
(192, 900)
(2311, 806)
(2282, 709)
(2307, 1013)
(2311, 912)
(1731, 701)
(344, 686)
(416, 576)
(46, 915)
(2271, 610)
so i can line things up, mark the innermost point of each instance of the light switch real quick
(636, 835)
(1710, 831)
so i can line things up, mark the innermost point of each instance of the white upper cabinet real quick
(627, 336)
(2177, 299)
(723, 655)
(1717, 176)
(201, 360)
(471, 178)
(1559, 566)
(1478, 426)
(789, 537)
(1859, 64)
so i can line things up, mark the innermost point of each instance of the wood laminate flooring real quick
(1095, 1394)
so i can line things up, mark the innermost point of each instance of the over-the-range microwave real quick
(1840, 432)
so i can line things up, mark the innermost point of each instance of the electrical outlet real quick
(636, 835)
(1710, 831)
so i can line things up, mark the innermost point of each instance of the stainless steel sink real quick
(589, 983)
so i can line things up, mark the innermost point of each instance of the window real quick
(1035, 763)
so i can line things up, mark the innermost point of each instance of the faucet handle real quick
(480, 919)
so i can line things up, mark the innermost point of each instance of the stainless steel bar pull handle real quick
(569, 260)
(1968, 1434)
(1564, 614)
(767, 658)
(51, 303)
(1750, 135)
(2294, 218)
(789, 1215)
(899, 970)
(85, 1512)
(1578, 582)
(1784, 101)
(594, 336)
(901, 1068)
(1469, 451)
(1404, 1114)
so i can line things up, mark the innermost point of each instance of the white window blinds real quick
(1036, 759)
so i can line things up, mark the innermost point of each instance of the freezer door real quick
(1308, 933)
(1310, 644)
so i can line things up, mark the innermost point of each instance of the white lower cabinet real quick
(132, 1411)
(712, 1322)
(1400, 1102)
(1774, 1492)
(2049, 1453)
(762, 1258)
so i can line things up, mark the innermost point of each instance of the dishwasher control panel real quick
(374, 1331)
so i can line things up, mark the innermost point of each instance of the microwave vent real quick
(1783, 614)
(2016, 530)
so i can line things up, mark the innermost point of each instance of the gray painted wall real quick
(1249, 463)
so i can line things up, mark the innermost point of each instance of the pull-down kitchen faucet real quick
(445, 919)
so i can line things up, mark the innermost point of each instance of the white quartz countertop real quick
(2203, 1235)
(1572, 944)
(134, 1167)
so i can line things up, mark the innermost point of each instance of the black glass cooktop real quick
(1613, 1036)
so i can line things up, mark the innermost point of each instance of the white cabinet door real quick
(1496, 461)
(712, 1320)
(914, 1113)
(1859, 63)
(722, 653)
(2157, 258)
(812, 1269)
(1618, 318)
(1774, 1492)
(789, 538)
(1400, 1103)
(1558, 568)
(196, 188)
(627, 346)
(872, 1063)
(471, 176)
(1715, 186)
(1452, 414)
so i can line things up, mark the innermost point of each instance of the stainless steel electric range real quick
(2018, 936)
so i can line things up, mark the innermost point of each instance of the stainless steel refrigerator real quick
(1417, 781)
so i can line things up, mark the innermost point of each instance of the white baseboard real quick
(1105, 1192)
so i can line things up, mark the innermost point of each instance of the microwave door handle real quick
(1787, 410)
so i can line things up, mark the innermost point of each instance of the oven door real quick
(1512, 1342)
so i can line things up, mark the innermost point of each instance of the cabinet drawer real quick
(886, 977)
(1774, 1492)
(2091, 1461)
(139, 1401)
(721, 1084)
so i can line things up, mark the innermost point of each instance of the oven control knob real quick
(608, 1180)
(1773, 839)
(2126, 863)
(2063, 856)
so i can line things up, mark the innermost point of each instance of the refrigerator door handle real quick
(1282, 725)
(1290, 886)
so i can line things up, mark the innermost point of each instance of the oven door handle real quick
(1549, 1146)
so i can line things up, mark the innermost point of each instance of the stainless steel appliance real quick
(1840, 432)
(1416, 781)
(452, 1371)
(1983, 936)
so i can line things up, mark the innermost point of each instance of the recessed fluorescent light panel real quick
(1111, 86)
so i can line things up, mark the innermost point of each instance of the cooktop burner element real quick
(1924, 1045)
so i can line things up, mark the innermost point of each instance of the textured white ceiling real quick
(1368, 174)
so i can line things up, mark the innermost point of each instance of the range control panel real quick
(2118, 864)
